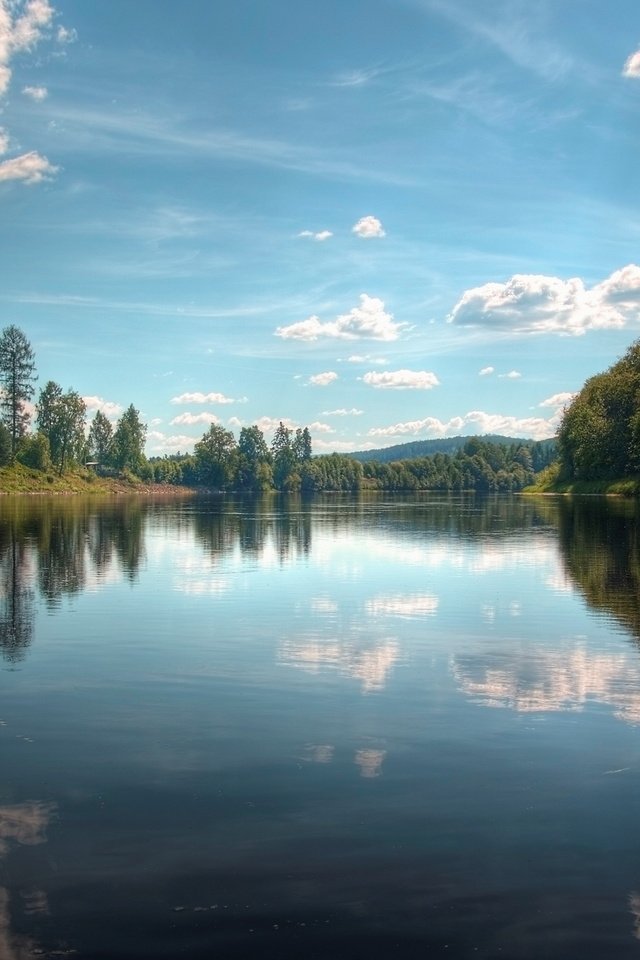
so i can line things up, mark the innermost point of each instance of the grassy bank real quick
(19, 479)
(548, 482)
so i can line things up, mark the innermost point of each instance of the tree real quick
(215, 457)
(302, 445)
(254, 460)
(100, 438)
(284, 458)
(128, 441)
(17, 376)
(61, 419)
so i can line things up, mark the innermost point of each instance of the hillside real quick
(427, 448)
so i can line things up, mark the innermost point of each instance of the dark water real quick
(394, 727)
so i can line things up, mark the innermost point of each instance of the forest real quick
(59, 439)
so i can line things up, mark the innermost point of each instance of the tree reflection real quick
(600, 542)
(17, 604)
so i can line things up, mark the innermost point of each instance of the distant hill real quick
(426, 448)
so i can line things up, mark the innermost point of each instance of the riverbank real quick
(19, 479)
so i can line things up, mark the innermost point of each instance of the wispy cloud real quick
(36, 93)
(343, 412)
(368, 320)
(517, 37)
(199, 397)
(512, 375)
(402, 380)
(320, 236)
(529, 303)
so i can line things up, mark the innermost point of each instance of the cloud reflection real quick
(371, 665)
(553, 681)
(24, 824)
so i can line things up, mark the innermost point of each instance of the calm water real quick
(393, 727)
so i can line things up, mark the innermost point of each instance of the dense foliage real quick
(220, 462)
(599, 437)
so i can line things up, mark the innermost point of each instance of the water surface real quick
(386, 726)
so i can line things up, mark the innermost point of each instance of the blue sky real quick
(387, 220)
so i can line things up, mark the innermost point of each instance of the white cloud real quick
(474, 422)
(159, 443)
(318, 427)
(366, 358)
(30, 167)
(558, 400)
(529, 303)
(189, 419)
(323, 379)
(368, 320)
(36, 93)
(4, 141)
(63, 35)
(320, 236)
(512, 375)
(269, 424)
(402, 380)
(199, 397)
(632, 65)
(108, 407)
(22, 24)
(486, 371)
(368, 228)
(342, 412)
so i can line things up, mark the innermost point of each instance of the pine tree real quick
(17, 376)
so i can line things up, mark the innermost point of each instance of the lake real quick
(386, 726)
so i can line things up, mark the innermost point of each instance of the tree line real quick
(599, 436)
(62, 440)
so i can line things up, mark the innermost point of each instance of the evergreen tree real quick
(17, 376)
(128, 441)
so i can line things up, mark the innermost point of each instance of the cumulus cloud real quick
(108, 407)
(486, 371)
(269, 424)
(320, 236)
(474, 422)
(188, 419)
(342, 412)
(512, 375)
(36, 93)
(368, 228)
(318, 427)
(632, 65)
(199, 397)
(558, 400)
(368, 320)
(323, 379)
(402, 380)
(30, 167)
(64, 35)
(159, 443)
(530, 303)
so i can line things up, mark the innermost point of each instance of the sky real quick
(386, 220)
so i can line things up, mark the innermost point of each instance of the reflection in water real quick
(370, 665)
(24, 824)
(551, 681)
(370, 762)
(600, 543)
(17, 600)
